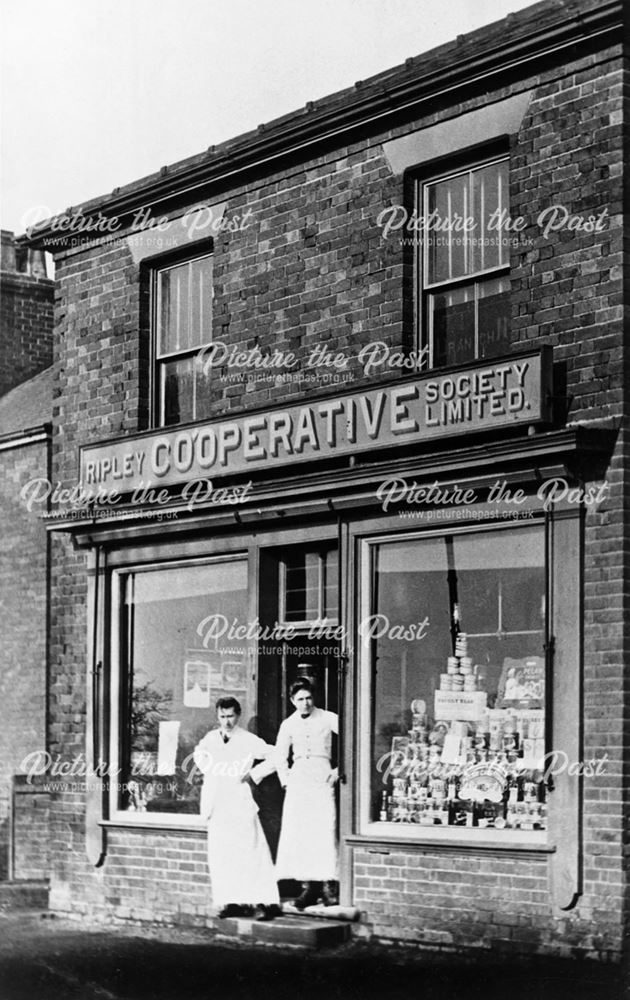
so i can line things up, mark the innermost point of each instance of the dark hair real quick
(227, 703)
(301, 684)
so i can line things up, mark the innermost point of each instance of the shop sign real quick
(483, 397)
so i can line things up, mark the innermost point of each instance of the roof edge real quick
(376, 100)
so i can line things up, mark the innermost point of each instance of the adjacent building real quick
(26, 335)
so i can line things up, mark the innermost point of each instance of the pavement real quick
(47, 958)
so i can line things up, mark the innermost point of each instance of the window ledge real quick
(455, 840)
(158, 824)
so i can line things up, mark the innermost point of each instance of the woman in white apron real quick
(307, 850)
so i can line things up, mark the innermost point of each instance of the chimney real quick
(26, 317)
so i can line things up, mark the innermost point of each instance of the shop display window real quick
(183, 327)
(175, 659)
(465, 264)
(454, 647)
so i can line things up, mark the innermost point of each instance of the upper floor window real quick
(183, 327)
(465, 265)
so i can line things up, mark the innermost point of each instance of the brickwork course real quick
(313, 268)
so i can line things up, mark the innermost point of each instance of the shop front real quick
(420, 561)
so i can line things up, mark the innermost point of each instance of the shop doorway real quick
(299, 618)
(298, 614)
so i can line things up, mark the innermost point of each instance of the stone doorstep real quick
(26, 895)
(285, 930)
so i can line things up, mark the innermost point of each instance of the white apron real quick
(241, 869)
(307, 850)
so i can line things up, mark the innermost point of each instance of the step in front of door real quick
(286, 930)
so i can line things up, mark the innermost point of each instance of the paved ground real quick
(44, 958)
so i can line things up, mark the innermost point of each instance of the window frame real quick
(116, 815)
(372, 830)
(155, 267)
(424, 290)
(308, 623)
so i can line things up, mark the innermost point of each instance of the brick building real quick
(26, 330)
(347, 395)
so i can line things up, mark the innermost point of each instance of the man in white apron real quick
(241, 870)
(307, 850)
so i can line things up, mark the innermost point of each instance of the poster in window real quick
(234, 675)
(197, 684)
(168, 736)
(522, 683)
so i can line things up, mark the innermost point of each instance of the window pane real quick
(494, 316)
(458, 681)
(331, 586)
(489, 190)
(176, 669)
(201, 302)
(184, 306)
(302, 587)
(453, 326)
(205, 389)
(447, 252)
(173, 287)
(177, 379)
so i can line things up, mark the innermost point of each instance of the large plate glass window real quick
(465, 265)
(453, 641)
(183, 327)
(175, 658)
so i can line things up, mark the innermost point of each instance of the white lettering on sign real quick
(464, 398)
(415, 410)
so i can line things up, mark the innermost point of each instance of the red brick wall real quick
(26, 325)
(572, 155)
(313, 267)
(23, 593)
(149, 876)
(31, 833)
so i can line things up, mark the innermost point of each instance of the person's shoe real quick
(309, 896)
(330, 893)
(230, 910)
(269, 912)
